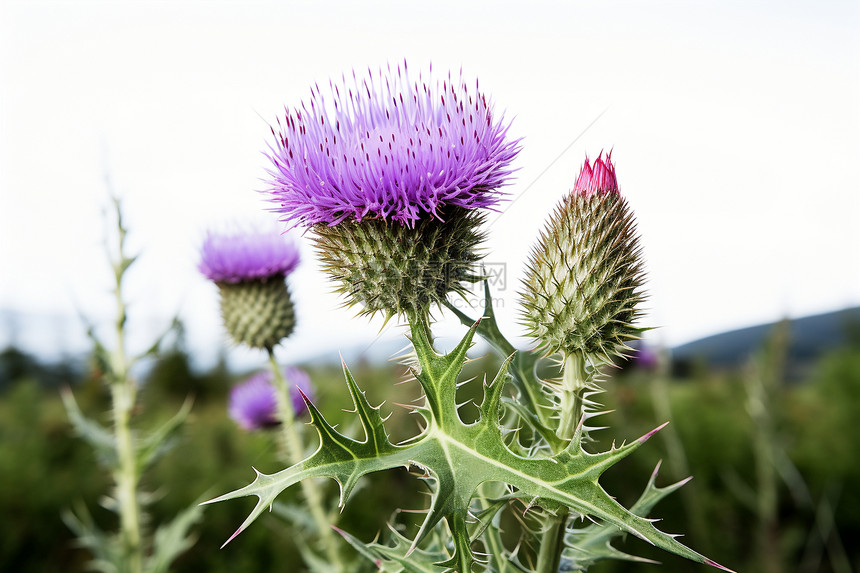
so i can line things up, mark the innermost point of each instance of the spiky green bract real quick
(258, 313)
(582, 287)
(585, 546)
(457, 458)
(530, 402)
(394, 269)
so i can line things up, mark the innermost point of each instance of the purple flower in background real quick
(390, 148)
(646, 357)
(253, 403)
(598, 177)
(238, 257)
(298, 379)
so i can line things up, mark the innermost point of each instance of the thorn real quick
(647, 436)
(232, 537)
(656, 471)
(717, 565)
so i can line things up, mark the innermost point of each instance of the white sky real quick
(735, 127)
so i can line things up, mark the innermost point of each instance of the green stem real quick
(573, 382)
(552, 542)
(295, 454)
(124, 394)
(125, 476)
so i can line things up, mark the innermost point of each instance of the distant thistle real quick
(249, 270)
(584, 277)
(390, 175)
(254, 404)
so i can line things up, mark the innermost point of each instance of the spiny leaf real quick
(438, 373)
(396, 558)
(172, 539)
(161, 440)
(532, 408)
(175, 326)
(588, 545)
(101, 440)
(106, 549)
(493, 394)
(371, 420)
(458, 458)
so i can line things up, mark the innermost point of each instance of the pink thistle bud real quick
(597, 178)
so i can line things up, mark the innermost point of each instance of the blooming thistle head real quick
(249, 269)
(584, 278)
(254, 405)
(390, 174)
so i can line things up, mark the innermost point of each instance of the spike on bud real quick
(584, 280)
(257, 313)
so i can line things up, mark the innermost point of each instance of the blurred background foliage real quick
(774, 458)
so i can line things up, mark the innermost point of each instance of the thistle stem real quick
(123, 395)
(573, 383)
(125, 475)
(294, 453)
(552, 542)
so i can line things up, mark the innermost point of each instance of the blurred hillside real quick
(809, 338)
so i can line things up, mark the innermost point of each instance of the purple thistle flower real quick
(254, 405)
(239, 257)
(298, 379)
(597, 178)
(389, 148)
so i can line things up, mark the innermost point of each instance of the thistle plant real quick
(392, 177)
(250, 270)
(126, 451)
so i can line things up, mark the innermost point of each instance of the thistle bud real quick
(249, 270)
(391, 175)
(584, 277)
(397, 270)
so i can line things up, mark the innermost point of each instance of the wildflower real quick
(391, 175)
(254, 405)
(238, 257)
(249, 269)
